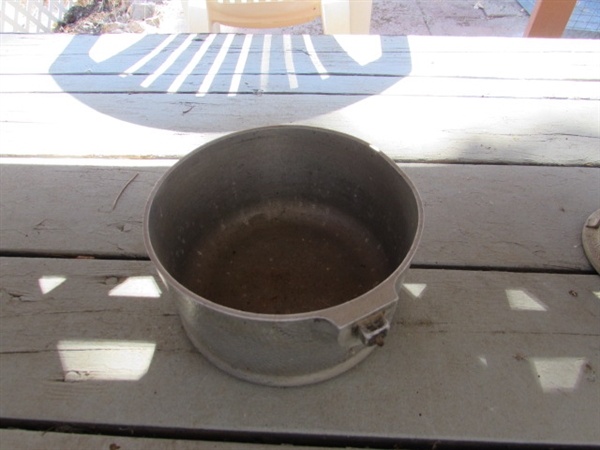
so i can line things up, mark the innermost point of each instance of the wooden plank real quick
(37, 440)
(61, 214)
(549, 18)
(309, 84)
(37, 45)
(472, 356)
(576, 66)
(497, 130)
(476, 216)
(315, 55)
(79, 45)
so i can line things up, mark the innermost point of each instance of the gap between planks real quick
(167, 161)
(494, 216)
(459, 341)
(473, 268)
(41, 435)
(26, 435)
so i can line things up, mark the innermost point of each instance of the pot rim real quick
(331, 313)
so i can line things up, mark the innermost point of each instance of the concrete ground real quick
(408, 17)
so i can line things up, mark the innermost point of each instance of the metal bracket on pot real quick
(373, 330)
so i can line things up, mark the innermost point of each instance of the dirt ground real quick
(389, 17)
(112, 16)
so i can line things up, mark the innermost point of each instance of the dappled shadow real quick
(83, 339)
(238, 76)
(473, 355)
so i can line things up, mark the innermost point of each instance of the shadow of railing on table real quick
(221, 83)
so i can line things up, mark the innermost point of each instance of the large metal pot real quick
(285, 247)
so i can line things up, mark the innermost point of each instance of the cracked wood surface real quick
(374, 55)
(67, 438)
(411, 128)
(492, 347)
(501, 137)
(417, 99)
(477, 216)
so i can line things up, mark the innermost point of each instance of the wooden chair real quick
(338, 16)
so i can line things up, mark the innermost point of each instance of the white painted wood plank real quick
(472, 356)
(13, 44)
(37, 440)
(438, 129)
(576, 66)
(397, 55)
(62, 199)
(475, 215)
(310, 84)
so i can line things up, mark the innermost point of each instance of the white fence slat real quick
(32, 16)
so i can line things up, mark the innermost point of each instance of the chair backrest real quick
(338, 16)
(263, 13)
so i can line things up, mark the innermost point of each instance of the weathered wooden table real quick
(497, 337)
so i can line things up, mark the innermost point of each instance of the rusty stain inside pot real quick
(293, 260)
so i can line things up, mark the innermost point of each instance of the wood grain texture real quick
(419, 128)
(469, 357)
(500, 136)
(309, 84)
(36, 440)
(446, 99)
(375, 55)
(477, 216)
(54, 45)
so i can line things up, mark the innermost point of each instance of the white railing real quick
(32, 16)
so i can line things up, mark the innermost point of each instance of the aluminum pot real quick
(284, 248)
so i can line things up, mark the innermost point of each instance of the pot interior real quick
(285, 258)
(282, 220)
